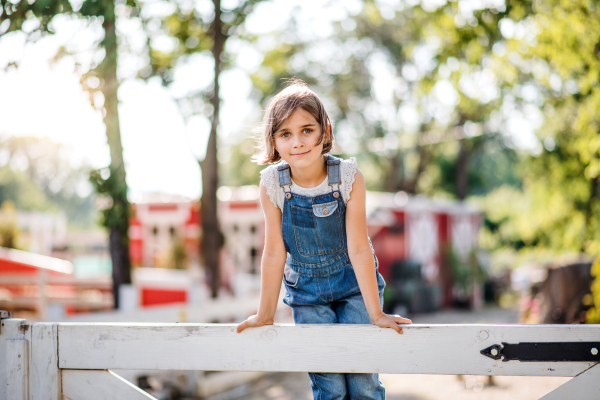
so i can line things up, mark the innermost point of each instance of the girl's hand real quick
(253, 322)
(392, 321)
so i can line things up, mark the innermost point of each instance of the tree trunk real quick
(424, 159)
(212, 238)
(462, 171)
(395, 177)
(118, 223)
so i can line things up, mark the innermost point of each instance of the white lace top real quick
(270, 179)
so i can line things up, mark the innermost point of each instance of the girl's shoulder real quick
(349, 163)
(347, 174)
(269, 174)
(270, 180)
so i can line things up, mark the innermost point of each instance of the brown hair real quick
(279, 108)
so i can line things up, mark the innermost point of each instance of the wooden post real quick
(45, 382)
(13, 335)
(17, 369)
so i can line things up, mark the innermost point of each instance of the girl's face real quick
(296, 140)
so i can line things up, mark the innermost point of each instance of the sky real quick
(160, 147)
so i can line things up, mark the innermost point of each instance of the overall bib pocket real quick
(318, 230)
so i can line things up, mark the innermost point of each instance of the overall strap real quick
(285, 179)
(333, 174)
(333, 170)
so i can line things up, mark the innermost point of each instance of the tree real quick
(563, 181)
(102, 78)
(393, 59)
(196, 33)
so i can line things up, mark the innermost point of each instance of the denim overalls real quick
(321, 287)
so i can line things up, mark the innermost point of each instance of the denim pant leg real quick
(352, 310)
(324, 386)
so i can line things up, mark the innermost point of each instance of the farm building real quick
(426, 232)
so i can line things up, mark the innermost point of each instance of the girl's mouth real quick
(300, 154)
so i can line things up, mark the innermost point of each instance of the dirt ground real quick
(296, 386)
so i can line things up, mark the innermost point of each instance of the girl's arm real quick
(271, 266)
(361, 257)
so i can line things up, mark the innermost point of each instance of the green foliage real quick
(17, 12)
(593, 315)
(113, 190)
(178, 255)
(18, 187)
(563, 181)
(193, 33)
(506, 219)
(9, 228)
(239, 170)
(465, 272)
(489, 168)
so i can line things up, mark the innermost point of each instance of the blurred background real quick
(127, 192)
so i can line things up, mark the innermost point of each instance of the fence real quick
(74, 360)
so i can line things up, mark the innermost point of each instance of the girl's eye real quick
(306, 130)
(285, 134)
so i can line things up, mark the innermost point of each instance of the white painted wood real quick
(99, 385)
(17, 369)
(585, 386)
(44, 383)
(10, 329)
(423, 349)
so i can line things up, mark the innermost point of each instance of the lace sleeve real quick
(348, 172)
(271, 182)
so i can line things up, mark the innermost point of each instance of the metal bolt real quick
(594, 351)
(494, 352)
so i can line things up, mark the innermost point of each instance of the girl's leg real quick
(352, 310)
(324, 386)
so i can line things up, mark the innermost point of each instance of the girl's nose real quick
(298, 141)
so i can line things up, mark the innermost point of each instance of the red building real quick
(424, 231)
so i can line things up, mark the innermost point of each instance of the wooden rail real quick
(74, 358)
(57, 289)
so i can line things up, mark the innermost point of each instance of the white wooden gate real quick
(54, 361)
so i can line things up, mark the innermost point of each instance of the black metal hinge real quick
(544, 351)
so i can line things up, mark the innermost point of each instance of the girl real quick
(316, 234)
